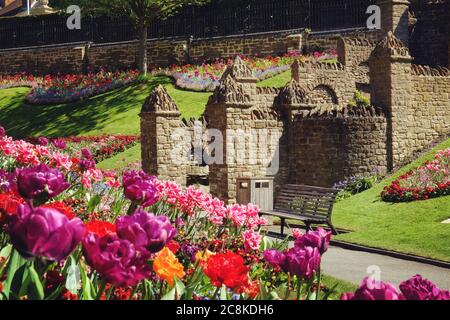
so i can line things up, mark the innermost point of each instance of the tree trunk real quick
(143, 32)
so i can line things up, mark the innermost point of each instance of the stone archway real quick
(323, 94)
(322, 91)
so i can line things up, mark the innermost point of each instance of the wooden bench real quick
(311, 205)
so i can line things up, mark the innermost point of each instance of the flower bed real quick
(71, 232)
(68, 88)
(206, 77)
(430, 180)
(102, 147)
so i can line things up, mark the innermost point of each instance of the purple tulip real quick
(146, 230)
(43, 141)
(139, 187)
(41, 182)
(418, 288)
(87, 154)
(319, 239)
(45, 233)
(303, 262)
(275, 258)
(348, 296)
(86, 164)
(190, 250)
(60, 144)
(2, 132)
(117, 260)
(8, 180)
(371, 289)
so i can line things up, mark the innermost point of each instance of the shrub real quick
(355, 185)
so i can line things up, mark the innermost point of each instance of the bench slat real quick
(307, 195)
(310, 188)
(295, 217)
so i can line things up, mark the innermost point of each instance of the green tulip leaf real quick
(86, 285)
(21, 280)
(176, 292)
(93, 203)
(37, 289)
(6, 251)
(265, 244)
(15, 263)
(223, 293)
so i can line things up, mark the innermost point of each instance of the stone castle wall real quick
(430, 106)
(50, 60)
(329, 148)
(326, 83)
(416, 98)
(329, 40)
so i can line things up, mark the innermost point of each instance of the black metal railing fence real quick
(220, 18)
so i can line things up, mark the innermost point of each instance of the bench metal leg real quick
(308, 226)
(283, 220)
(333, 229)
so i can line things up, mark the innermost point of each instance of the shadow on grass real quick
(23, 120)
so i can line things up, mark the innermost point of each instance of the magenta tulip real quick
(140, 188)
(43, 141)
(418, 288)
(319, 239)
(60, 144)
(303, 262)
(371, 289)
(41, 182)
(275, 258)
(117, 260)
(146, 230)
(44, 232)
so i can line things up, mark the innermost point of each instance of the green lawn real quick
(122, 160)
(278, 81)
(110, 113)
(340, 286)
(413, 228)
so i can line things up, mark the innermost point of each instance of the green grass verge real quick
(121, 161)
(278, 81)
(115, 112)
(413, 228)
(340, 286)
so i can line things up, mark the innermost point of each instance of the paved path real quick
(353, 266)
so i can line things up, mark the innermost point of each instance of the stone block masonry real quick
(76, 58)
(328, 148)
(49, 60)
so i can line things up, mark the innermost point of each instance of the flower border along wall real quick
(71, 231)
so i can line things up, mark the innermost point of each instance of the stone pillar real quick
(391, 85)
(228, 110)
(160, 117)
(395, 18)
